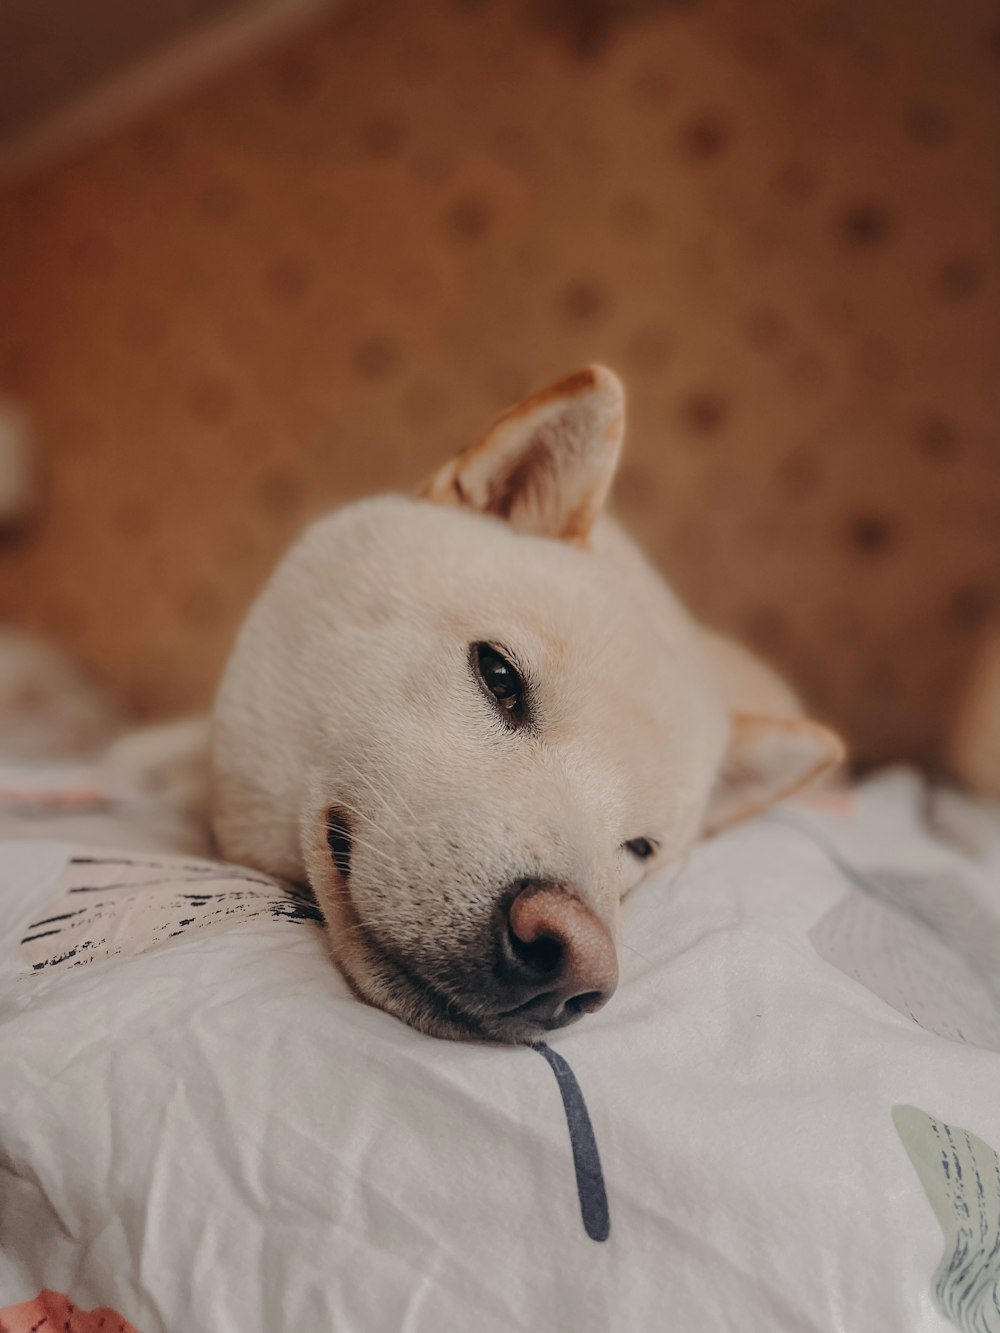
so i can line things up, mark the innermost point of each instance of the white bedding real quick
(784, 1120)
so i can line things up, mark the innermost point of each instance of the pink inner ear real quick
(546, 466)
(769, 759)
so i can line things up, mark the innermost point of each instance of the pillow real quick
(786, 1119)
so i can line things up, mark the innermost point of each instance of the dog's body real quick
(475, 719)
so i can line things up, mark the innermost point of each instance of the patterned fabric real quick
(961, 1176)
(51, 1312)
(793, 1096)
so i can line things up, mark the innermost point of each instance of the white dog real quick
(475, 719)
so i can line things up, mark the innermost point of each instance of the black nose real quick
(556, 958)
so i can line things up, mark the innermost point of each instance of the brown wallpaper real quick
(315, 278)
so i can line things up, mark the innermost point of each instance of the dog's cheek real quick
(346, 945)
(334, 900)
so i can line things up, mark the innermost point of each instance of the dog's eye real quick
(642, 848)
(501, 680)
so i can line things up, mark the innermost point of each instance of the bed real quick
(786, 1120)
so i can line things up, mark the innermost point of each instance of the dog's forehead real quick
(565, 614)
(452, 565)
(592, 647)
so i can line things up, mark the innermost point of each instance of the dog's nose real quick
(557, 959)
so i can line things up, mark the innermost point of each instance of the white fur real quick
(350, 687)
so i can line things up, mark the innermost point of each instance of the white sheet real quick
(795, 1098)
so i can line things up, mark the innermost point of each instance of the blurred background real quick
(258, 257)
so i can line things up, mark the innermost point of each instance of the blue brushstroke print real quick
(586, 1159)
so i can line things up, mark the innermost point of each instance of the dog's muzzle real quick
(556, 960)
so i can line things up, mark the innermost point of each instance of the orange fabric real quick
(50, 1310)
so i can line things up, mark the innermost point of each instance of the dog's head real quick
(475, 720)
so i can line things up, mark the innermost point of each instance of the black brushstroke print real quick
(590, 1185)
(960, 1174)
(198, 908)
(291, 909)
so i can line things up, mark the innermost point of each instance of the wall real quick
(320, 274)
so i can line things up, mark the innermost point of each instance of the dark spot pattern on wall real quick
(800, 472)
(928, 125)
(969, 605)
(871, 534)
(220, 201)
(583, 300)
(211, 399)
(959, 278)
(703, 412)
(377, 357)
(705, 136)
(864, 224)
(287, 278)
(765, 327)
(320, 273)
(469, 218)
(936, 439)
(382, 135)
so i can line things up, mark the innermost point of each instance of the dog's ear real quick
(768, 758)
(546, 465)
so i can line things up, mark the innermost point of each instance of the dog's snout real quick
(557, 958)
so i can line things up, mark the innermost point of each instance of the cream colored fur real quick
(350, 690)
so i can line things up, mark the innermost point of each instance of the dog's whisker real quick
(387, 858)
(376, 793)
(355, 813)
(340, 932)
(413, 831)
(398, 795)
(375, 848)
(394, 791)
